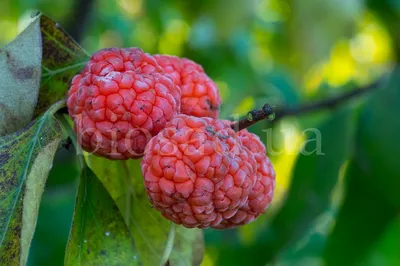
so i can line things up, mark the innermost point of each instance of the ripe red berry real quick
(261, 195)
(198, 173)
(119, 101)
(200, 95)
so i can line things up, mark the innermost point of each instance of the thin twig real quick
(326, 103)
(268, 113)
(253, 117)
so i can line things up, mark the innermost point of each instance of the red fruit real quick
(200, 95)
(198, 173)
(261, 195)
(119, 101)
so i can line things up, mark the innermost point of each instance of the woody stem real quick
(253, 117)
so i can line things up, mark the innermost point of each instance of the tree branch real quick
(326, 103)
(253, 117)
(267, 111)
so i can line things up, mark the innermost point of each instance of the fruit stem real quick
(253, 117)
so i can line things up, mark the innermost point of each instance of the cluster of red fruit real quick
(197, 170)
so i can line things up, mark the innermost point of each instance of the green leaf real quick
(150, 231)
(188, 247)
(62, 58)
(25, 161)
(98, 235)
(20, 74)
(378, 148)
(372, 199)
(361, 221)
(386, 252)
(198, 248)
(314, 177)
(309, 248)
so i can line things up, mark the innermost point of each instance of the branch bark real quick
(326, 103)
(253, 117)
(268, 113)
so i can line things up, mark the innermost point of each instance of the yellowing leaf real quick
(25, 160)
(62, 59)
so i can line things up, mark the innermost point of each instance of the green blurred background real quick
(282, 52)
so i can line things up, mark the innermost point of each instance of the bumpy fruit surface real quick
(200, 95)
(198, 173)
(261, 195)
(119, 101)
